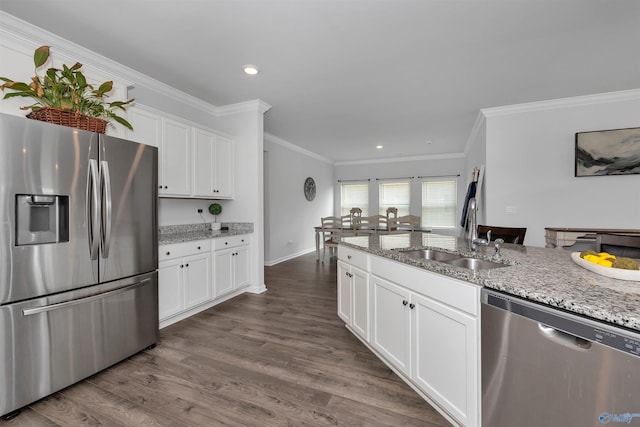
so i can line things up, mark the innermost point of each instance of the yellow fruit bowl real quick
(614, 273)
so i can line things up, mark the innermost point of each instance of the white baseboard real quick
(288, 257)
(257, 289)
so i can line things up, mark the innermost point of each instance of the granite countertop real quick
(190, 232)
(544, 275)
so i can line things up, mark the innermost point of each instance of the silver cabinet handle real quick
(36, 310)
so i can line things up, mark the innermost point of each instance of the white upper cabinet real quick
(223, 182)
(175, 159)
(194, 162)
(147, 126)
(212, 165)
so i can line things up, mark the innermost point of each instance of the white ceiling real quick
(345, 75)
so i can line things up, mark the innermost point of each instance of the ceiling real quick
(345, 75)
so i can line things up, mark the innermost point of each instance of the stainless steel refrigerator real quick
(78, 256)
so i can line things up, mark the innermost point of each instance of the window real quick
(354, 195)
(439, 203)
(394, 194)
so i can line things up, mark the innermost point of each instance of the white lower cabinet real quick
(445, 357)
(354, 291)
(344, 292)
(391, 332)
(184, 277)
(197, 283)
(230, 264)
(353, 298)
(425, 325)
(196, 275)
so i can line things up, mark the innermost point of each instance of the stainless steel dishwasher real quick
(545, 367)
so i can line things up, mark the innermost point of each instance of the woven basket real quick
(69, 118)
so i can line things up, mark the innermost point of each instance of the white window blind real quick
(394, 194)
(439, 203)
(354, 195)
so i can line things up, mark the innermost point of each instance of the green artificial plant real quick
(66, 89)
(215, 209)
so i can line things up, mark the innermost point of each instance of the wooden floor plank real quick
(281, 358)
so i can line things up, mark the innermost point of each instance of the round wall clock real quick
(309, 189)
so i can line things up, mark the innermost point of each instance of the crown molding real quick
(576, 101)
(402, 159)
(289, 146)
(256, 105)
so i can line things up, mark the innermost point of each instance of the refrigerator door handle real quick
(105, 184)
(93, 209)
(43, 309)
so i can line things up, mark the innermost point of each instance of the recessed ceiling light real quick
(252, 70)
(379, 146)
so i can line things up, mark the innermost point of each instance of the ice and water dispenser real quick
(41, 219)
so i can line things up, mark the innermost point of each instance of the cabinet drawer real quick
(177, 250)
(353, 256)
(230, 241)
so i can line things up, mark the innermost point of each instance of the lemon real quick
(606, 255)
(592, 258)
(604, 263)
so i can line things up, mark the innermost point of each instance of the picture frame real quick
(607, 152)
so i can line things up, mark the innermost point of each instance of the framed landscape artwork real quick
(608, 152)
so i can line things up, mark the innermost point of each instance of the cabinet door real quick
(391, 315)
(222, 267)
(445, 357)
(203, 167)
(224, 167)
(197, 279)
(175, 159)
(147, 126)
(360, 306)
(344, 292)
(241, 266)
(170, 287)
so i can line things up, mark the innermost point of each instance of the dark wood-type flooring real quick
(282, 358)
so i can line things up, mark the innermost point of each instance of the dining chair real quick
(355, 214)
(508, 234)
(379, 222)
(331, 229)
(366, 225)
(404, 223)
(624, 245)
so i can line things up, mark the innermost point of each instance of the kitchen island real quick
(422, 317)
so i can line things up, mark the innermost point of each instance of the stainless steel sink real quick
(474, 263)
(431, 254)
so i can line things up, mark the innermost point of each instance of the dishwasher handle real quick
(564, 338)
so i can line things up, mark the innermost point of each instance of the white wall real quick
(429, 166)
(246, 122)
(530, 153)
(289, 216)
